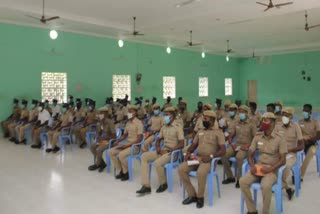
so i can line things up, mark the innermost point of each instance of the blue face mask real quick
(166, 119)
(305, 115)
(156, 112)
(23, 106)
(231, 113)
(242, 116)
(277, 109)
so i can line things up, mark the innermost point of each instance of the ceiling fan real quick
(135, 33)
(190, 43)
(43, 19)
(271, 5)
(307, 27)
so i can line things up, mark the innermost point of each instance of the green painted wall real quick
(90, 62)
(279, 78)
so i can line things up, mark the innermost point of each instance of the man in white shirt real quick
(43, 119)
(55, 109)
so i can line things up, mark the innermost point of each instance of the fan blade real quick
(279, 5)
(33, 17)
(193, 44)
(314, 26)
(267, 9)
(52, 18)
(262, 4)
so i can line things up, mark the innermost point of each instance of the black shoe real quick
(56, 149)
(189, 200)
(48, 150)
(16, 142)
(229, 180)
(12, 139)
(290, 193)
(200, 202)
(83, 145)
(144, 190)
(102, 167)
(93, 167)
(162, 188)
(35, 146)
(125, 177)
(6, 135)
(237, 185)
(24, 141)
(219, 162)
(120, 175)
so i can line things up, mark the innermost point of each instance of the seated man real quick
(43, 120)
(155, 123)
(210, 144)
(107, 132)
(80, 131)
(172, 135)
(278, 111)
(184, 114)
(244, 131)
(272, 154)
(64, 121)
(33, 117)
(292, 135)
(141, 113)
(167, 104)
(24, 115)
(55, 109)
(79, 113)
(254, 116)
(218, 109)
(133, 131)
(13, 117)
(121, 114)
(311, 133)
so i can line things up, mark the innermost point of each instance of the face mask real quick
(231, 113)
(33, 105)
(285, 120)
(39, 108)
(64, 110)
(277, 109)
(305, 115)
(90, 108)
(23, 106)
(206, 124)
(75, 109)
(156, 112)
(242, 116)
(101, 116)
(264, 126)
(215, 105)
(54, 104)
(129, 115)
(147, 103)
(166, 119)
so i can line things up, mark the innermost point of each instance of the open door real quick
(252, 91)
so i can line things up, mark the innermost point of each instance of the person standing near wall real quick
(13, 117)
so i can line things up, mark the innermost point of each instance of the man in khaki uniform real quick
(184, 114)
(21, 129)
(134, 131)
(121, 115)
(90, 119)
(24, 115)
(172, 135)
(141, 113)
(107, 132)
(148, 107)
(232, 118)
(155, 123)
(227, 104)
(254, 116)
(79, 112)
(167, 104)
(210, 144)
(13, 117)
(270, 107)
(218, 109)
(196, 114)
(292, 135)
(43, 120)
(244, 131)
(272, 152)
(311, 133)
(65, 120)
(277, 110)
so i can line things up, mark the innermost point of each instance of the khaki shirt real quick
(209, 141)
(79, 114)
(291, 134)
(309, 128)
(133, 128)
(278, 118)
(121, 113)
(141, 113)
(48, 108)
(244, 132)
(149, 108)
(24, 114)
(269, 148)
(171, 134)
(91, 117)
(255, 118)
(186, 118)
(219, 112)
(66, 118)
(107, 126)
(16, 111)
(156, 122)
(232, 122)
(166, 105)
(33, 114)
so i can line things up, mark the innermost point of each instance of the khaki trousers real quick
(120, 162)
(36, 135)
(147, 142)
(53, 137)
(97, 151)
(286, 172)
(266, 183)
(240, 156)
(311, 152)
(4, 126)
(159, 162)
(11, 129)
(202, 172)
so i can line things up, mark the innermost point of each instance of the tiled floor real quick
(34, 182)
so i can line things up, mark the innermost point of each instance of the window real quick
(203, 86)
(169, 87)
(121, 85)
(228, 87)
(54, 86)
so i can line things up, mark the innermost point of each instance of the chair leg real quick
(255, 196)
(241, 204)
(210, 189)
(129, 160)
(169, 177)
(150, 168)
(108, 161)
(278, 201)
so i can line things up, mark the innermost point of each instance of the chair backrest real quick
(118, 133)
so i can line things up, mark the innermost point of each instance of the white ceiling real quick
(243, 22)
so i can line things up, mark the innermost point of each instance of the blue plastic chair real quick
(44, 137)
(65, 135)
(296, 173)
(107, 157)
(211, 174)
(318, 157)
(91, 132)
(133, 156)
(276, 188)
(295, 119)
(233, 160)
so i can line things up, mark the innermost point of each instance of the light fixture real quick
(120, 43)
(203, 54)
(53, 34)
(227, 58)
(168, 50)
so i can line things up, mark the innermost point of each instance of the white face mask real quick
(130, 115)
(285, 120)
(75, 109)
(39, 108)
(101, 116)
